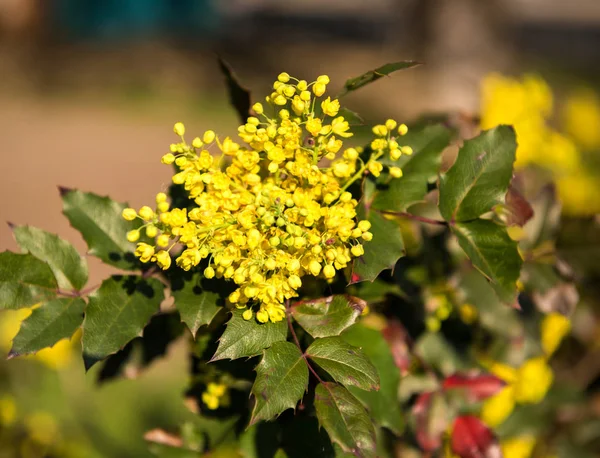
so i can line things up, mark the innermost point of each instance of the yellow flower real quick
(534, 378)
(330, 107)
(163, 260)
(129, 214)
(179, 129)
(555, 326)
(498, 407)
(518, 447)
(340, 126)
(581, 117)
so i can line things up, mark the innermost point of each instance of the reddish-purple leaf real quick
(399, 342)
(475, 386)
(519, 211)
(471, 438)
(431, 420)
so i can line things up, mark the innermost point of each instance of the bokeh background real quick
(89, 90)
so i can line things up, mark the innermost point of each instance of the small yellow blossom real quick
(330, 107)
(554, 328)
(179, 129)
(129, 214)
(518, 447)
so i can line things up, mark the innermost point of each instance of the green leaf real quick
(70, 269)
(373, 75)
(24, 281)
(246, 338)
(383, 404)
(100, 222)
(239, 96)
(418, 169)
(281, 380)
(117, 313)
(493, 253)
(480, 177)
(345, 419)
(382, 252)
(53, 321)
(347, 364)
(327, 316)
(196, 306)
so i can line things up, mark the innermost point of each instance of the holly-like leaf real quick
(382, 252)
(373, 75)
(345, 420)
(53, 321)
(480, 177)
(239, 96)
(383, 405)
(246, 338)
(100, 222)
(346, 363)
(328, 316)
(493, 253)
(70, 269)
(24, 281)
(196, 306)
(518, 210)
(117, 313)
(281, 380)
(418, 169)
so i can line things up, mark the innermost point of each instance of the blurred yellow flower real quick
(581, 117)
(42, 427)
(518, 447)
(8, 410)
(555, 326)
(57, 357)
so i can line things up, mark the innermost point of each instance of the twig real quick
(422, 219)
(297, 342)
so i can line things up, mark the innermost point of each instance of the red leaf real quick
(518, 209)
(399, 343)
(475, 386)
(471, 438)
(431, 420)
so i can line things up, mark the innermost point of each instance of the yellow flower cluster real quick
(216, 394)
(529, 383)
(266, 214)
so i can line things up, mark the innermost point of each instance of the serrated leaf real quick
(24, 281)
(53, 321)
(347, 364)
(383, 405)
(196, 306)
(418, 169)
(327, 316)
(373, 75)
(480, 177)
(493, 253)
(239, 96)
(281, 380)
(246, 338)
(70, 269)
(345, 419)
(117, 313)
(162, 330)
(382, 252)
(100, 222)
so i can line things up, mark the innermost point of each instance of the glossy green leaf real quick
(196, 306)
(480, 177)
(347, 364)
(345, 419)
(327, 316)
(383, 405)
(101, 225)
(493, 253)
(418, 169)
(70, 269)
(239, 96)
(53, 321)
(117, 313)
(382, 252)
(281, 381)
(24, 281)
(373, 75)
(246, 338)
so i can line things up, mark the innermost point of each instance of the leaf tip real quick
(89, 361)
(12, 354)
(63, 191)
(11, 225)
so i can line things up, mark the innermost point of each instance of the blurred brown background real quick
(89, 89)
